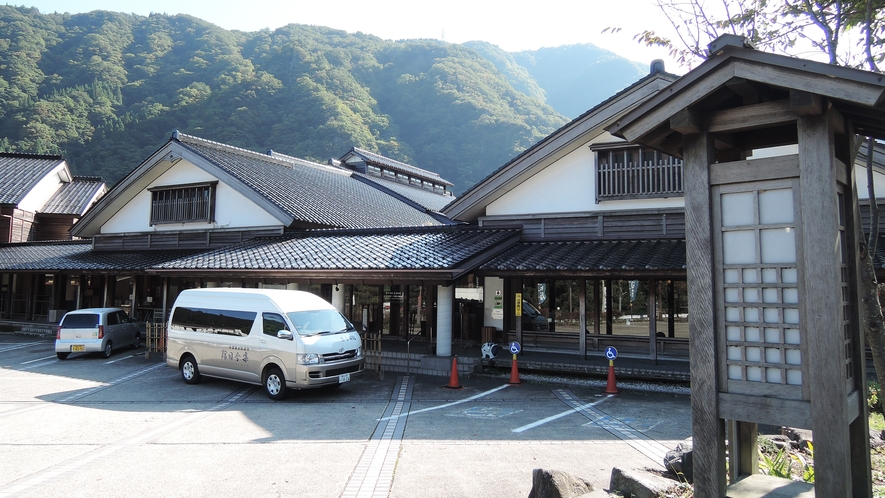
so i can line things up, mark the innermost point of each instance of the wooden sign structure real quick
(772, 233)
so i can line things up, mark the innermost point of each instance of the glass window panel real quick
(769, 295)
(734, 353)
(749, 275)
(772, 335)
(739, 247)
(751, 314)
(772, 355)
(732, 276)
(733, 315)
(771, 315)
(776, 206)
(754, 354)
(778, 245)
(734, 372)
(733, 333)
(791, 315)
(793, 356)
(732, 295)
(789, 276)
(754, 374)
(794, 377)
(751, 295)
(753, 334)
(791, 295)
(773, 375)
(738, 209)
(769, 276)
(792, 336)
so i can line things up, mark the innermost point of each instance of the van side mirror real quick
(284, 334)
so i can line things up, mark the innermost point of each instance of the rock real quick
(557, 484)
(639, 483)
(679, 461)
(876, 440)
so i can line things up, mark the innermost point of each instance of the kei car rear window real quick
(80, 321)
(213, 321)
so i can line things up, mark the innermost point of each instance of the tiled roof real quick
(404, 249)
(78, 256)
(19, 173)
(426, 198)
(74, 197)
(639, 255)
(309, 192)
(378, 159)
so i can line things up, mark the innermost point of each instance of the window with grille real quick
(183, 203)
(636, 172)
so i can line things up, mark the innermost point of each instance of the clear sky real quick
(513, 25)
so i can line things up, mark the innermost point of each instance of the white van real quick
(276, 338)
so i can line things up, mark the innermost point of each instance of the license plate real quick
(76, 348)
(344, 378)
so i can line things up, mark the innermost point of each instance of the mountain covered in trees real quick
(106, 89)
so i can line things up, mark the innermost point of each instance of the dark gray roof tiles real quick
(19, 173)
(426, 198)
(74, 197)
(78, 256)
(378, 159)
(665, 255)
(311, 193)
(411, 249)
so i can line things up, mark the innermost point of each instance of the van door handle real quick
(263, 341)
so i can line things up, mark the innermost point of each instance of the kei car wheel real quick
(137, 342)
(190, 372)
(275, 384)
(108, 349)
(62, 356)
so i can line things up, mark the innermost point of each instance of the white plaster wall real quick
(34, 200)
(232, 209)
(567, 186)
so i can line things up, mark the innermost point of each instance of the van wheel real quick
(108, 349)
(275, 384)
(190, 372)
(62, 356)
(137, 342)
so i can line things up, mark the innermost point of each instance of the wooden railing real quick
(660, 178)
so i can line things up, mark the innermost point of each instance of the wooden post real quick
(708, 430)
(582, 321)
(652, 307)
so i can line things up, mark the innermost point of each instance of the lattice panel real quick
(760, 275)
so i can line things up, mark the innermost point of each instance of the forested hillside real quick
(107, 89)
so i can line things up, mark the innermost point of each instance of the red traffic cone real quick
(514, 372)
(611, 388)
(453, 379)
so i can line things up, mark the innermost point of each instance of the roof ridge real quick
(31, 155)
(396, 163)
(273, 158)
(393, 230)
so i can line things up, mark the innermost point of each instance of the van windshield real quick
(319, 322)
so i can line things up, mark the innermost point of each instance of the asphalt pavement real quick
(129, 426)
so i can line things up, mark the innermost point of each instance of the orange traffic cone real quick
(453, 379)
(611, 388)
(514, 372)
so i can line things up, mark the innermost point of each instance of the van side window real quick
(212, 321)
(273, 323)
(113, 319)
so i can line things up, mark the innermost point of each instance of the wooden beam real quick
(750, 117)
(745, 89)
(805, 104)
(839, 88)
(687, 121)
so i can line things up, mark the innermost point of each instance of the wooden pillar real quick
(609, 319)
(671, 309)
(820, 222)
(582, 305)
(651, 307)
(597, 307)
(518, 316)
(708, 430)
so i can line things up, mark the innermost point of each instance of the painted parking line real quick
(634, 437)
(13, 347)
(559, 415)
(38, 359)
(453, 403)
(123, 358)
(31, 483)
(373, 475)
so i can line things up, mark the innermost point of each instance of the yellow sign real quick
(518, 306)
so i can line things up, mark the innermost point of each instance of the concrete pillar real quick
(445, 301)
(338, 297)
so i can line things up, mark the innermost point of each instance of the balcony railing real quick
(661, 177)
